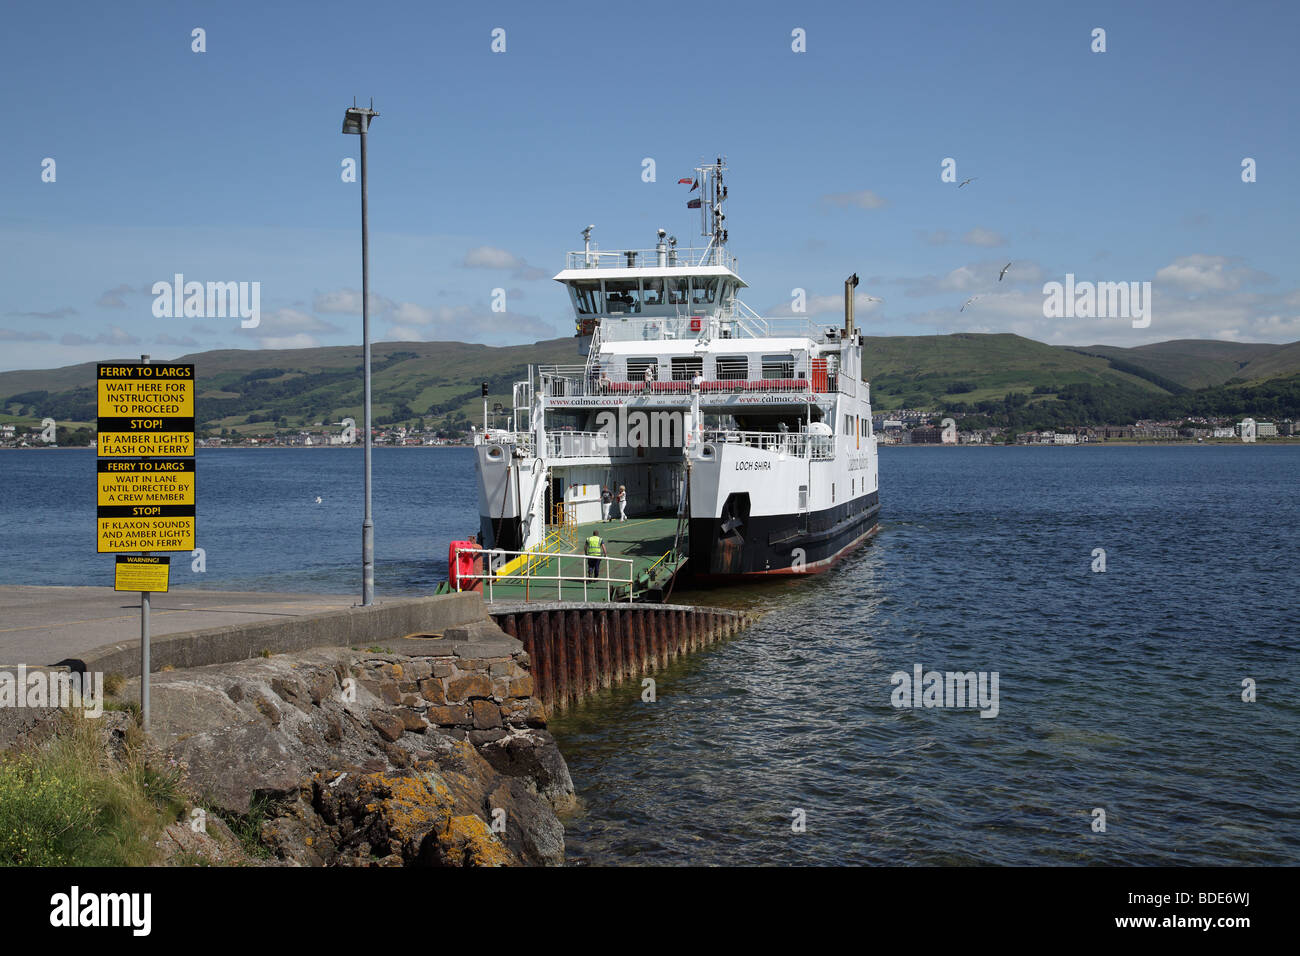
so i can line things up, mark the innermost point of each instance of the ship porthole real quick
(494, 453)
(706, 451)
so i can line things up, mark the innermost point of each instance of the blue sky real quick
(484, 167)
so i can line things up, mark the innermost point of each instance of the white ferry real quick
(754, 433)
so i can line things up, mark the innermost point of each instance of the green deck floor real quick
(644, 540)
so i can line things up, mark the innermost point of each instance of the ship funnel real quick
(661, 249)
(850, 284)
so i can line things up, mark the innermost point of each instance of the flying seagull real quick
(318, 499)
(968, 302)
(965, 181)
(1004, 271)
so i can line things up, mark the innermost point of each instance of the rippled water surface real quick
(1118, 690)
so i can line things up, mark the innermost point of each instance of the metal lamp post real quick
(356, 120)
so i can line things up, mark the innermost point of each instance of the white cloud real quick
(1241, 318)
(1205, 273)
(983, 237)
(491, 257)
(815, 305)
(348, 302)
(185, 340)
(300, 341)
(18, 335)
(114, 336)
(63, 313)
(281, 321)
(112, 298)
(465, 324)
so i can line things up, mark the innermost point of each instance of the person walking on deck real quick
(595, 551)
(622, 502)
(606, 499)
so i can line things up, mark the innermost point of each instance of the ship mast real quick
(712, 219)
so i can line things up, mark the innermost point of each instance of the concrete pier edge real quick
(452, 615)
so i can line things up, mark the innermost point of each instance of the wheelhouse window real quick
(678, 291)
(586, 297)
(653, 293)
(732, 368)
(685, 369)
(704, 290)
(622, 295)
(778, 366)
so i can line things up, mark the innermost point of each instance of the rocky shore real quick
(367, 758)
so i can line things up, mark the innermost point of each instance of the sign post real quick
(146, 503)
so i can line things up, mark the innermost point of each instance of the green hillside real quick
(254, 391)
(922, 371)
(1196, 363)
(1000, 377)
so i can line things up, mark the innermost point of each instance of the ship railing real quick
(582, 383)
(543, 571)
(577, 445)
(787, 444)
(683, 257)
(522, 441)
(703, 322)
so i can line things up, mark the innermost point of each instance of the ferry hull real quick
(780, 544)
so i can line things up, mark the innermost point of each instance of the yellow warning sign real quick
(147, 530)
(145, 410)
(146, 443)
(146, 398)
(159, 481)
(141, 573)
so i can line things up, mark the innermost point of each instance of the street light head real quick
(357, 119)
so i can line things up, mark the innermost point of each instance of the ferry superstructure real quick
(755, 432)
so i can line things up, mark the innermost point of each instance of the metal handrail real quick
(525, 572)
(794, 444)
(682, 257)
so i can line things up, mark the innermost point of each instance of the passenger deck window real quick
(732, 368)
(685, 369)
(778, 366)
(636, 368)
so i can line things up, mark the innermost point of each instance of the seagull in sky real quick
(965, 181)
(1004, 271)
(968, 302)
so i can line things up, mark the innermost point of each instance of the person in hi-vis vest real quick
(595, 551)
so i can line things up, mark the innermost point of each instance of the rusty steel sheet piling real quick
(576, 649)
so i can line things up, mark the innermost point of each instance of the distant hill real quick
(1197, 363)
(925, 371)
(254, 391)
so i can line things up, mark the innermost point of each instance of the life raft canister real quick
(462, 564)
